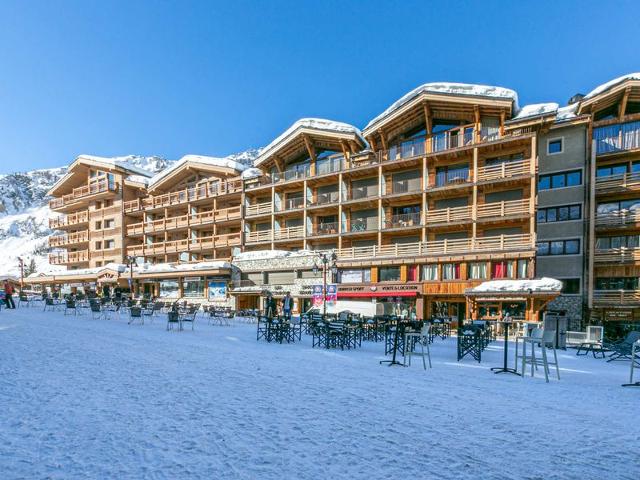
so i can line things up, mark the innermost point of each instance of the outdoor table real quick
(505, 368)
(593, 347)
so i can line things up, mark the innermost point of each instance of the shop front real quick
(401, 299)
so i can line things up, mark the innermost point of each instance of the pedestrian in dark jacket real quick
(270, 306)
(8, 295)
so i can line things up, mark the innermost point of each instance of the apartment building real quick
(450, 186)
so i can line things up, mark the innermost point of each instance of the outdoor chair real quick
(543, 339)
(135, 313)
(23, 298)
(412, 339)
(70, 306)
(173, 319)
(622, 349)
(470, 342)
(96, 310)
(49, 304)
(189, 317)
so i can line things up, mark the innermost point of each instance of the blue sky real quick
(174, 77)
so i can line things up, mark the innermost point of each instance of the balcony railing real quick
(618, 219)
(404, 186)
(185, 245)
(288, 233)
(616, 183)
(328, 228)
(504, 170)
(452, 178)
(202, 191)
(294, 203)
(329, 165)
(69, 257)
(617, 255)
(359, 193)
(616, 297)
(258, 236)
(404, 220)
(617, 138)
(69, 239)
(83, 192)
(289, 175)
(504, 208)
(409, 149)
(259, 209)
(522, 242)
(326, 198)
(447, 215)
(184, 221)
(69, 220)
(367, 224)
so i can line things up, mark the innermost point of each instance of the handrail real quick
(69, 220)
(617, 138)
(327, 228)
(69, 257)
(611, 183)
(288, 233)
(504, 170)
(617, 297)
(84, 191)
(68, 239)
(258, 236)
(617, 218)
(617, 255)
(403, 220)
(259, 209)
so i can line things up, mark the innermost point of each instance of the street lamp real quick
(327, 262)
(130, 261)
(21, 273)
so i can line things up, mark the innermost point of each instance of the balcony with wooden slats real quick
(403, 221)
(504, 171)
(186, 245)
(617, 138)
(69, 239)
(619, 219)
(288, 233)
(501, 243)
(616, 298)
(258, 236)
(68, 258)
(80, 194)
(67, 221)
(258, 209)
(620, 183)
(325, 229)
(616, 256)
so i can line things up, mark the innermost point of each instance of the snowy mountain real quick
(24, 210)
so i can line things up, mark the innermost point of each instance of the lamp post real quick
(21, 273)
(130, 261)
(327, 261)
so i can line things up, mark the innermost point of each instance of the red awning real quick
(376, 294)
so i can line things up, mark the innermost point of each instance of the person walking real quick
(287, 304)
(8, 295)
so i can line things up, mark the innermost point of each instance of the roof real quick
(197, 159)
(543, 285)
(448, 88)
(539, 110)
(610, 84)
(311, 125)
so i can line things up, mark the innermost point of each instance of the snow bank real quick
(182, 267)
(313, 123)
(214, 161)
(536, 109)
(544, 284)
(271, 254)
(611, 83)
(449, 88)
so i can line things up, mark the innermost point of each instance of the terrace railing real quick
(404, 220)
(617, 138)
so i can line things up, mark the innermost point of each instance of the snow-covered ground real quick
(83, 398)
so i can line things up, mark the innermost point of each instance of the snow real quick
(536, 110)
(567, 113)
(138, 179)
(611, 83)
(271, 254)
(312, 123)
(85, 398)
(252, 172)
(214, 161)
(126, 162)
(182, 267)
(449, 88)
(543, 284)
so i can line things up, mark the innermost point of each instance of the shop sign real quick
(618, 315)
(217, 291)
(379, 289)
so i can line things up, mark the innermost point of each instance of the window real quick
(355, 276)
(523, 268)
(450, 271)
(502, 270)
(559, 247)
(99, 225)
(608, 170)
(389, 274)
(98, 245)
(109, 223)
(621, 241)
(452, 174)
(554, 146)
(559, 214)
(169, 288)
(430, 272)
(109, 244)
(616, 206)
(412, 273)
(478, 271)
(570, 286)
(560, 180)
(617, 283)
(193, 287)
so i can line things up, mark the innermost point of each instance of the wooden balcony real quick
(616, 297)
(512, 208)
(83, 193)
(625, 182)
(71, 220)
(69, 239)
(407, 220)
(448, 215)
(66, 258)
(327, 228)
(362, 193)
(184, 221)
(327, 198)
(613, 256)
(618, 219)
(504, 171)
(258, 236)
(258, 209)
(501, 243)
(404, 187)
(185, 245)
(288, 233)
(204, 191)
(106, 253)
(296, 203)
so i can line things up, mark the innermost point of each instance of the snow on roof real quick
(536, 110)
(611, 83)
(252, 172)
(270, 254)
(213, 161)
(567, 113)
(313, 123)
(544, 284)
(122, 162)
(139, 179)
(181, 267)
(118, 267)
(449, 88)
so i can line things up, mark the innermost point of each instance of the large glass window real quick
(608, 170)
(523, 268)
(626, 241)
(193, 287)
(478, 271)
(570, 286)
(389, 274)
(560, 180)
(355, 276)
(559, 247)
(169, 288)
(559, 214)
(430, 272)
(450, 271)
(617, 283)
